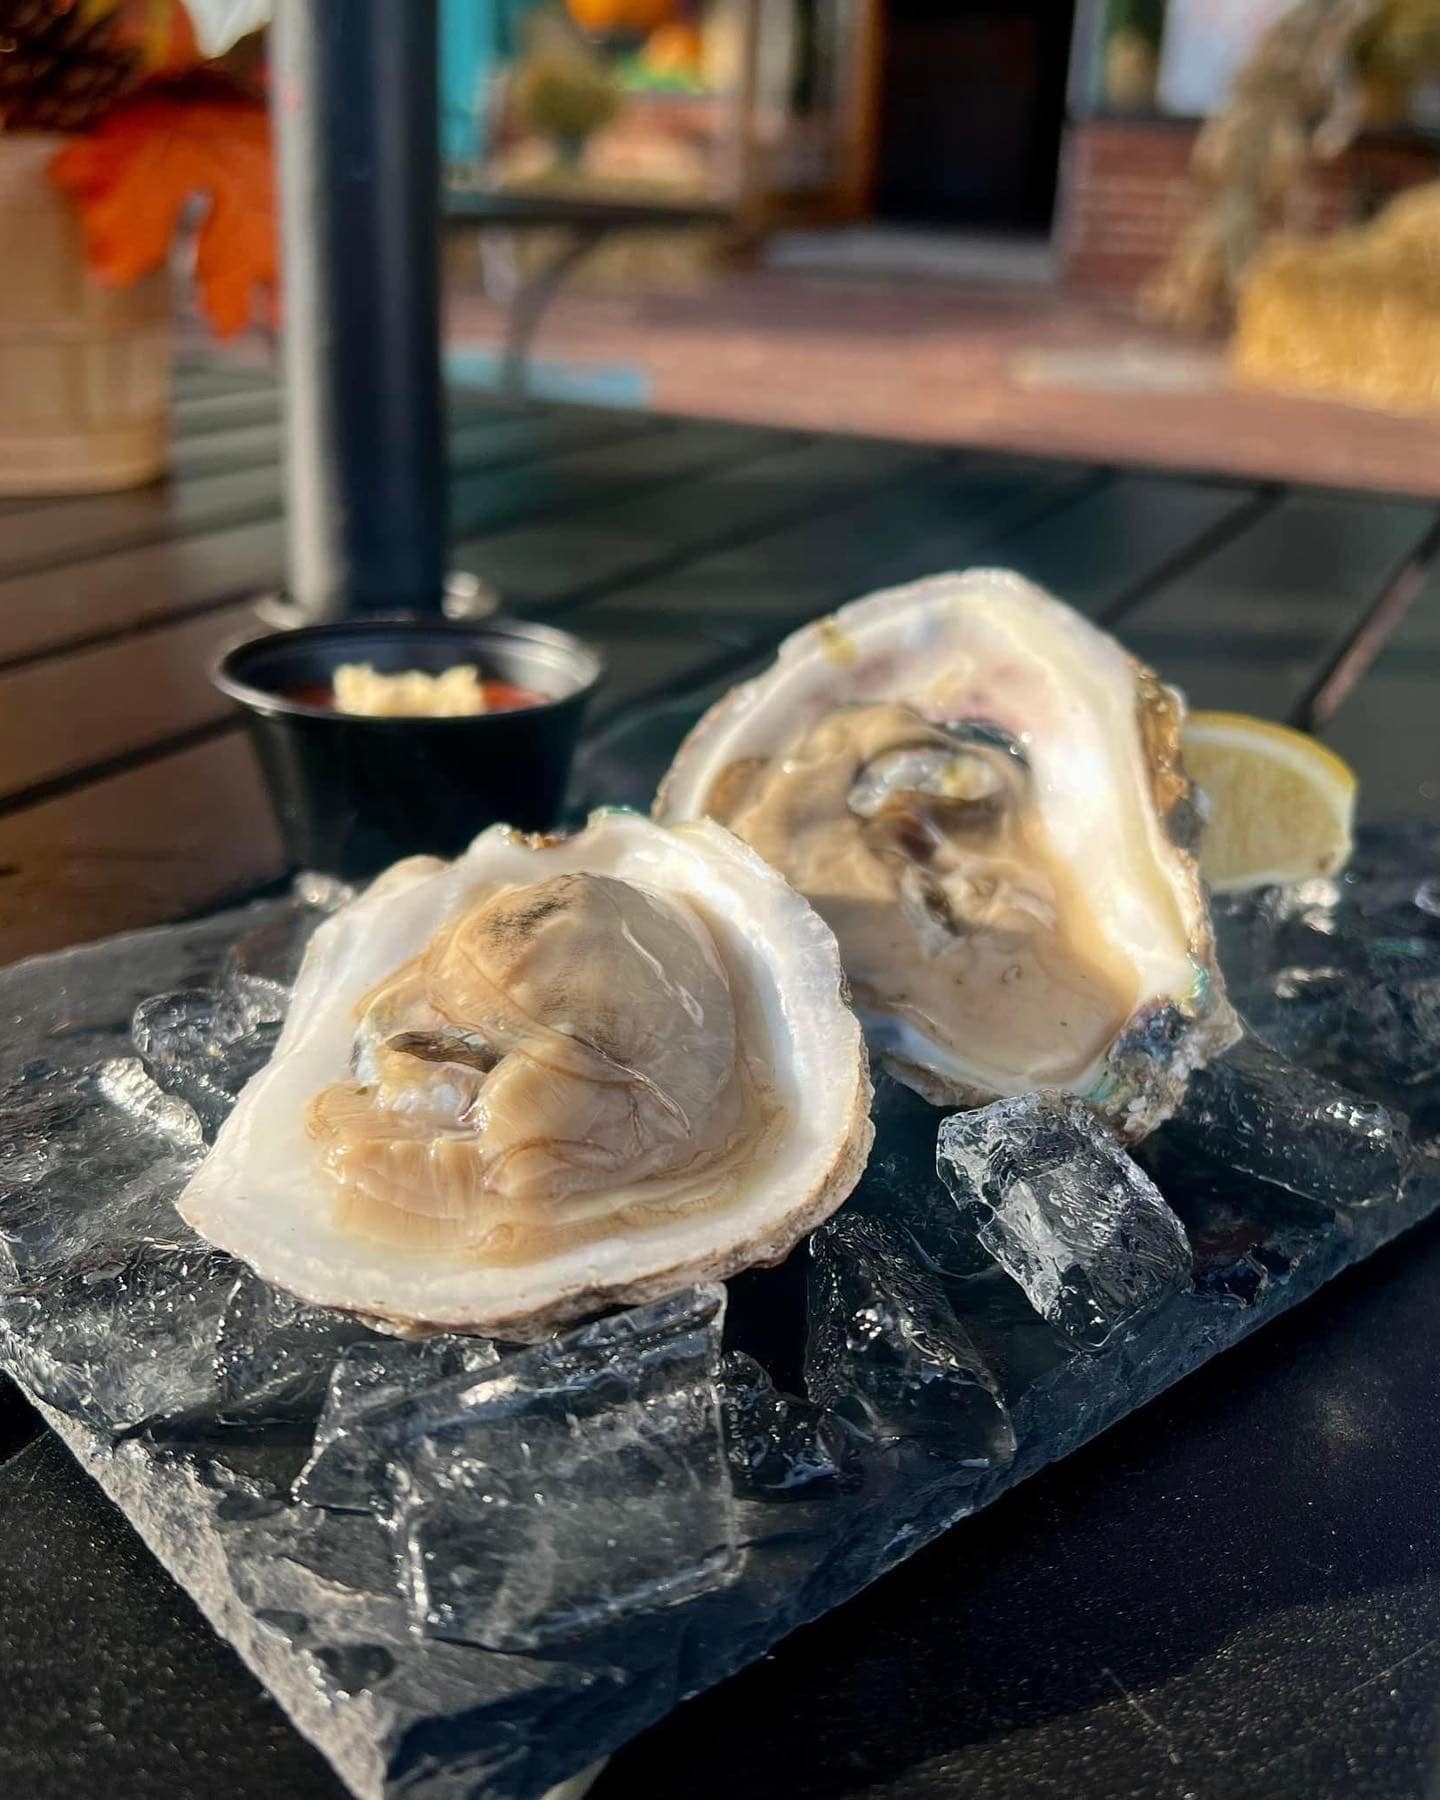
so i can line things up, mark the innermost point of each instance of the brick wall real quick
(1125, 193)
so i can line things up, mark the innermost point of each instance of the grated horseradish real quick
(409, 694)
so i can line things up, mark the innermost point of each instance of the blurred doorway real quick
(971, 105)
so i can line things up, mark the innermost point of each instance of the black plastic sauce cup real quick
(353, 794)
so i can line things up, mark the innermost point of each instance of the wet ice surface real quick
(470, 1569)
(373, 1394)
(274, 1354)
(886, 1352)
(1293, 1128)
(1344, 976)
(203, 1045)
(1065, 1212)
(122, 1338)
(778, 1444)
(574, 1484)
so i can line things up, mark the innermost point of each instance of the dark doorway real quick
(972, 102)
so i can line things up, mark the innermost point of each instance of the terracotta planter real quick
(84, 369)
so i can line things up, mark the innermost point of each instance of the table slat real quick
(68, 714)
(1252, 627)
(113, 588)
(238, 449)
(46, 612)
(196, 412)
(1389, 727)
(589, 479)
(169, 837)
(53, 535)
(469, 437)
(719, 609)
(578, 558)
(196, 375)
(941, 516)
(193, 415)
(1123, 535)
(1008, 511)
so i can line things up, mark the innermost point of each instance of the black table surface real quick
(1234, 1593)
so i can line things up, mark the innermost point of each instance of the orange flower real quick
(636, 16)
(133, 175)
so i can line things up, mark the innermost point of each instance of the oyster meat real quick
(551, 1076)
(982, 793)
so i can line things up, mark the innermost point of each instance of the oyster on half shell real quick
(982, 793)
(551, 1076)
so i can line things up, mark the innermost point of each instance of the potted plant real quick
(115, 128)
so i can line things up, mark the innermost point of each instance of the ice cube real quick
(376, 1394)
(1390, 1029)
(260, 970)
(1256, 1110)
(1273, 928)
(1299, 1010)
(312, 1570)
(1065, 1212)
(901, 1187)
(68, 1193)
(51, 1225)
(41, 1110)
(113, 1304)
(779, 1445)
(886, 1352)
(203, 1045)
(125, 1342)
(580, 1481)
(1392, 881)
(274, 1353)
(1344, 975)
(351, 1669)
(124, 1082)
(1369, 1014)
(173, 1030)
(1245, 1235)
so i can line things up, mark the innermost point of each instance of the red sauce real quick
(505, 696)
(500, 696)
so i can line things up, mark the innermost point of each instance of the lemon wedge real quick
(1281, 805)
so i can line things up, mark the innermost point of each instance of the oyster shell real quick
(982, 793)
(551, 1076)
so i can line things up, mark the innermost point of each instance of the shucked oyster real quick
(550, 1076)
(982, 794)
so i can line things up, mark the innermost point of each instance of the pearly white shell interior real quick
(261, 1196)
(988, 644)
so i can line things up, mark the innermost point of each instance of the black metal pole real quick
(356, 109)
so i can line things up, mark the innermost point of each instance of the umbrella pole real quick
(356, 111)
